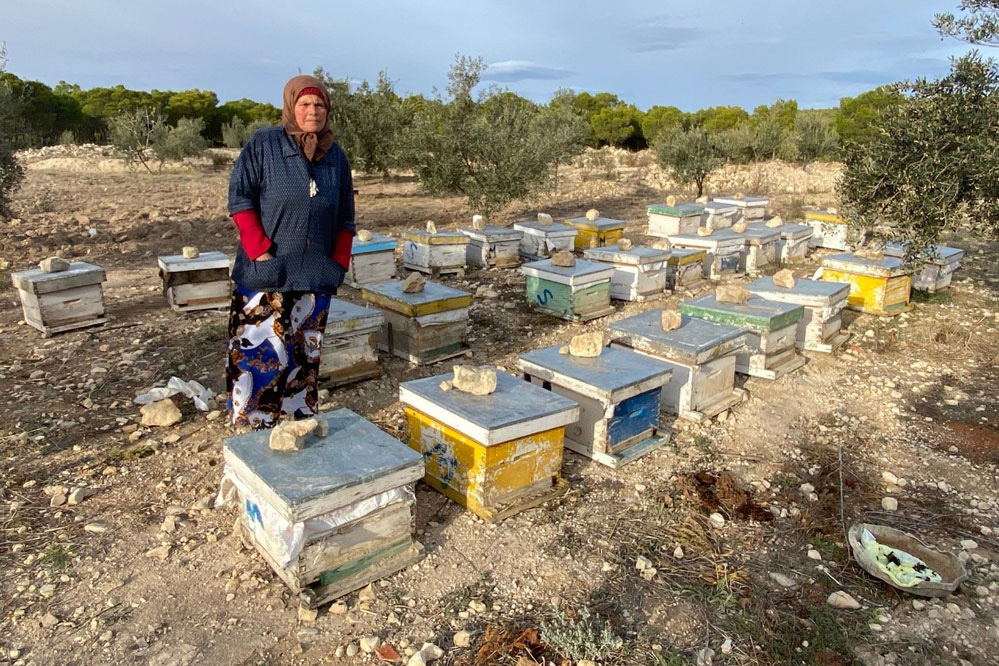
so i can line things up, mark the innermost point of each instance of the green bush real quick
(735, 144)
(815, 138)
(11, 170)
(132, 133)
(184, 140)
(689, 155)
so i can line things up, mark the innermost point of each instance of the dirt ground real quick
(909, 409)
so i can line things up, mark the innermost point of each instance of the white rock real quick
(918, 604)
(477, 381)
(889, 504)
(587, 345)
(291, 435)
(370, 643)
(807, 488)
(161, 413)
(544, 219)
(969, 544)
(890, 478)
(564, 259)
(814, 555)
(642, 563)
(843, 601)
(592, 215)
(671, 320)
(732, 293)
(54, 265)
(716, 520)
(462, 639)
(364, 235)
(678, 552)
(705, 656)
(190, 252)
(97, 527)
(782, 579)
(414, 283)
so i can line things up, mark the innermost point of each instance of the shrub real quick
(184, 140)
(234, 133)
(815, 138)
(11, 170)
(67, 138)
(689, 155)
(133, 132)
(735, 144)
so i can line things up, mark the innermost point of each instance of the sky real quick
(687, 53)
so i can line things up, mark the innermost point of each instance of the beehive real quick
(619, 394)
(62, 301)
(750, 209)
(877, 286)
(332, 517)
(793, 243)
(820, 329)
(639, 272)
(724, 250)
(425, 327)
(771, 332)
(349, 352)
(371, 261)
(761, 247)
(576, 293)
(666, 221)
(685, 267)
(829, 230)
(541, 242)
(435, 254)
(936, 264)
(596, 233)
(701, 355)
(201, 283)
(493, 246)
(718, 215)
(495, 454)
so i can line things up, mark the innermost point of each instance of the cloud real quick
(509, 71)
(660, 34)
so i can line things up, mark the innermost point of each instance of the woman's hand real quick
(266, 256)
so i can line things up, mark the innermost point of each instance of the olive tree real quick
(688, 155)
(133, 133)
(11, 170)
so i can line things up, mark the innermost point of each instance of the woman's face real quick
(310, 113)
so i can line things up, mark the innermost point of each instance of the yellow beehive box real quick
(600, 232)
(878, 286)
(495, 454)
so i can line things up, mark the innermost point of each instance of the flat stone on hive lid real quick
(879, 267)
(784, 278)
(624, 244)
(592, 215)
(730, 293)
(601, 377)
(190, 252)
(477, 381)
(587, 345)
(564, 259)
(812, 293)
(545, 220)
(54, 265)
(671, 320)
(478, 222)
(364, 235)
(414, 283)
(431, 227)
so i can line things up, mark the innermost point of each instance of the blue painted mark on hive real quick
(446, 462)
(544, 296)
(253, 513)
(634, 416)
(730, 263)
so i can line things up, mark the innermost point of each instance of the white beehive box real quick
(435, 254)
(200, 283)
(685, 267)
(717, 215)
(62, 301)
(666, 221)
(724, 252)
(793, 243)
(937, 264)
(493, 246)
(371, 261)
(349, 352)
(761, 247)
(577, 293)
(821, 328)
(541, 242)
(829, 230)
(751, 209)
(639, 273)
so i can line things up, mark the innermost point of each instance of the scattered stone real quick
(54, 265)
(969, 544)
(389, 654)
(739, 227)
(477, 381)
(160, 552)
(306, 614)
(351, 650)
(213, 415)
(889, 504)
(807, 488)
(642, 563)
(775, 221)
(784, 278)
(564, 258)
(732, 293)
(544, 219)
(587, 345)
(592, 215)
(716, 520)
(943, 486)
(486, 292)
(446, 386)
(78, 495)
(478, 222)
(367, 593)
(705, 656)
(414, 283)
(49, 620)
(340, 607)
(918, 604)
(462, 639)
(586, 662)
(782, 579)
(364, 235)
(814, 555)
(476, 606)
(190, 252)
(97, 527)
(704, 231)
(37, 374)
(843, 601)
(291, 435)
(889, 478)
(161, 413)
(671, 201)
(169, 524)
(624, 244)
(431, 652)
(678, 552)
(47, 590)
(431, 227)
(726, 646)
(57, 500)
(671, 320)
(370, 643)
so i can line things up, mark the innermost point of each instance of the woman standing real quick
(291, 198)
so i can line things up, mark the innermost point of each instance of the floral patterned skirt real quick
(273, 355)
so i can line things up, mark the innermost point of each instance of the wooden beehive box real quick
(619, 394)
(435, 254)
(597, 233)
(349, 352)
(371, 261)
(761, 247)
(750, 209)
(771, 332)
(723, 249)
(936, 265)
(541, 242)
(718, 215)
(701, 355)
(666, 221)
(201, 283)
(348, 496)
(639, 273)
(820, 329)
(576, 293)
(62, 301)
(493, 246)
(877, 286)
(424, 327)
(793, 243)
(829, 230)
(495, 454)
(685, 267)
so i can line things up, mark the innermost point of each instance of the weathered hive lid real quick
(760, 233)
(615, 375)
(37, 281)
(346, 317)
(553, 230)
(440, 238)
(634, 257)
(745, 202)
(757, 314)
(934, 254)
(354, 461)
(718, 208)
(177, 263)
(584, 272)
(849, 262)
(378, 243)
(718, 238)
(792, 231)
(599, 224)
(434, 298)
(811, 293)
(678, 256)
(825, 216)
(679, 210)
(515, 409)
(696, 341)
(493, 234)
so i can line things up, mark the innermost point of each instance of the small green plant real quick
(940, 297)
(584, 637)
(67, 138)
(57, 556)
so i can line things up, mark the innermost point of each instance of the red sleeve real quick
(341, 248)
(251, 233)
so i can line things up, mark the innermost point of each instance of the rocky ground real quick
(111, 550)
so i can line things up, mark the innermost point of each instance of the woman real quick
(291, 198)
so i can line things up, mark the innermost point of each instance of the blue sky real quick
(687, 53)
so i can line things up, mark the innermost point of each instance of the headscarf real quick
(313, 144)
